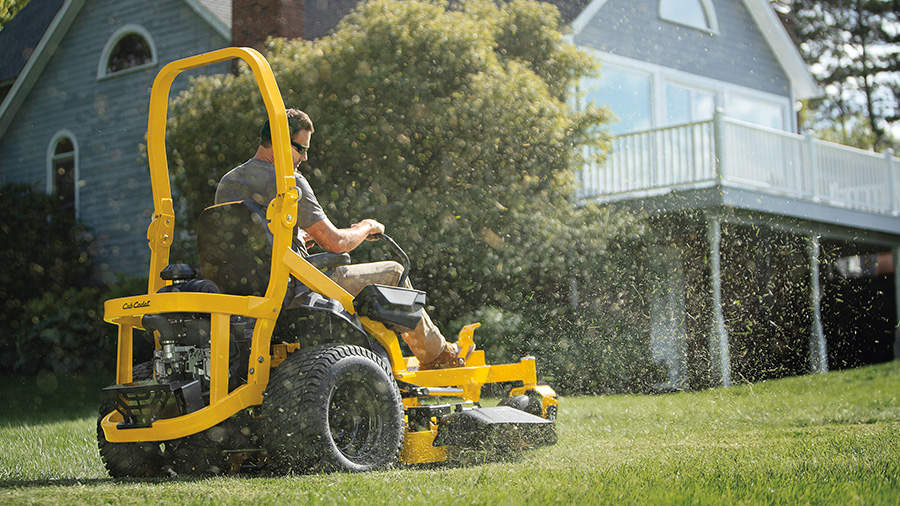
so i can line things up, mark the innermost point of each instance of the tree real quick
(450, 125)
(852, 49)
(9, 9)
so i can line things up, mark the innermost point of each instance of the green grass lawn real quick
(822, 439)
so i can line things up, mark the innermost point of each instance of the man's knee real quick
(394, 268)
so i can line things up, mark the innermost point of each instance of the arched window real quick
(129, 48)
(693, 13)
(62, 168)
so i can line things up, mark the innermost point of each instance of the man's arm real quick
(342, 240)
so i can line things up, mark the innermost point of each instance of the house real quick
(774, 251)
(753, 219)
(75, 83)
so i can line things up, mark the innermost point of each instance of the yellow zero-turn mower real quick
(228, 389)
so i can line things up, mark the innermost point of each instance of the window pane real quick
(703, 105)
(64, 146)
(132, 50)
(678, 105)
(64, 182)
(686, 12)
(755, 111)
(685, 105)
(627, 94)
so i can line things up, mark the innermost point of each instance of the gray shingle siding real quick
(108, 118)
(738, 54)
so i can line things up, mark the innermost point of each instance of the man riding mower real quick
(243, 376)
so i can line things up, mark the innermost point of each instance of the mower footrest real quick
(142, 404)
(500, 427)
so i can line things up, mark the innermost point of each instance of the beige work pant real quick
(425, 341)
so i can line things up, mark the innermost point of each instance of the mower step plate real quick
(497, 427)
(143, 403)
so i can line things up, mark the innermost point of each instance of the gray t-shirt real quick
(255, 180)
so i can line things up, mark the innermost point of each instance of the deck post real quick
(719, 141)
(818, 352)
(896, 255)
(719, 358)
(813, 166)
(892, 179)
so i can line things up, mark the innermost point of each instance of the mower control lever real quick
(400, 251)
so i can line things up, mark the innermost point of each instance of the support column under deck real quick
(719, 357)
(818, 351)
(896, 255)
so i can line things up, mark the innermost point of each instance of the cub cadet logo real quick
(136, 305)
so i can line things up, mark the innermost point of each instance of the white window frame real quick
(52, 157)
(721, 90)
(114, 39)
(708, 10)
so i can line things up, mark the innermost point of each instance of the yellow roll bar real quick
(127, 312)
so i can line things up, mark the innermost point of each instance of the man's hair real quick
(297, 121)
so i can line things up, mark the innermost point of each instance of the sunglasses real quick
(300, 147)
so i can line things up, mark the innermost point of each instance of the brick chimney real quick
(253, 21)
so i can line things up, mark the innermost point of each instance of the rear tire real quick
(331, 408)
(124, 460)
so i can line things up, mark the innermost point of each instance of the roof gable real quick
(802, 83)
(215, 12)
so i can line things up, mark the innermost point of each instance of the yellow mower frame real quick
(127, 312)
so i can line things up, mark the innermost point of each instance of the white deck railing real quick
(732, 153)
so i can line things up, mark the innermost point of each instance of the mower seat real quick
(235, 248)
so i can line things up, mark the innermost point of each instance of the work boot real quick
(447, 359)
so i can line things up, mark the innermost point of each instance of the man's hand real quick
(373, 226)
(342, 240)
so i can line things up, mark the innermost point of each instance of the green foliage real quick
(51, 317)
(64, 332)
(449, 125)
(851, 50)
(45, 252)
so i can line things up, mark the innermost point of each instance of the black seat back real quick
(234, 246)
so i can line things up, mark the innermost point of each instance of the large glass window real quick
(686, 105)
(756, 111)
(694, 13)
(627, 93)
(62, 168)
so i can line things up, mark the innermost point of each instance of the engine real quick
(174, 363)
(184, 348)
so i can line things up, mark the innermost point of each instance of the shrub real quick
(45, 252)
(51, 315)
(65, 332)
